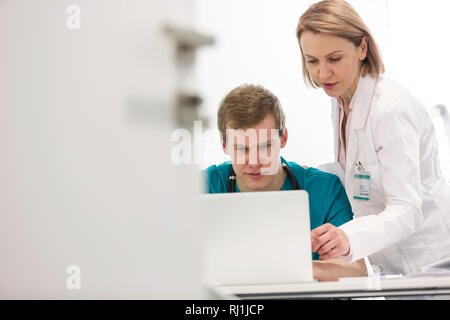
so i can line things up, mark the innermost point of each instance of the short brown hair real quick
(246, 106)
(338, 18)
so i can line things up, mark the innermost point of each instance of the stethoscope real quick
(232, 179)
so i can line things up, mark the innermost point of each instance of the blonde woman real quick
(385, 146)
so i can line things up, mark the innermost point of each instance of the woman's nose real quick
(324, 71)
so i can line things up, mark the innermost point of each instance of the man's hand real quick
(329, 242)
(334, 269)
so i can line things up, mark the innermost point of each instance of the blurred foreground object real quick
(87, 183)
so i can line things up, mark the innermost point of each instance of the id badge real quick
(361, 183)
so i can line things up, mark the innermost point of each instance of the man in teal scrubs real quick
(252, 126)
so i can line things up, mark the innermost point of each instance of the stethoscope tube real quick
(232, 179)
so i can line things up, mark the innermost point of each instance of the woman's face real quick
(333, 62)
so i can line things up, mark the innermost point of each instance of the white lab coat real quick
(406, 223)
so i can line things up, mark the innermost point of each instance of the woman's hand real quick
(329, 242)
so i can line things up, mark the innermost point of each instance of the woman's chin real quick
(331, 94)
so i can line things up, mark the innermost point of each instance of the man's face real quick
(255, 154)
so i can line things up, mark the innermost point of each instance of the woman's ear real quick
(364, 46)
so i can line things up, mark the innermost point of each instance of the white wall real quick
(418, 57)
(256, 43)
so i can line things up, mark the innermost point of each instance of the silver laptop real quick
(260, 238)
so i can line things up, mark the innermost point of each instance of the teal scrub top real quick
(328, 202)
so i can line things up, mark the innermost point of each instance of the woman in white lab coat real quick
(385, 147)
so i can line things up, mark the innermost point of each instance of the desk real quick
(345, 289)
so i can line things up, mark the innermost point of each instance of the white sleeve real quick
(397, 143)
(333, 168)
